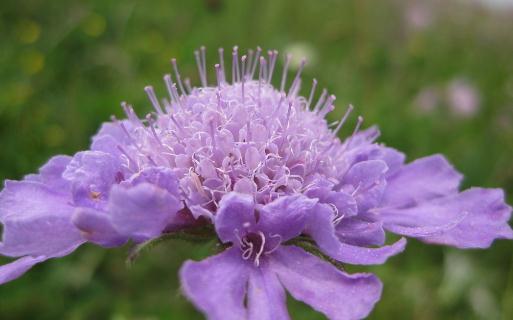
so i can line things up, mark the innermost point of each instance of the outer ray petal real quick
(319, 284)
(217, 285)
(17, 268)
(37, 221)
(266, 296)
(478, 217)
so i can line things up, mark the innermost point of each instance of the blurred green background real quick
(437, 76)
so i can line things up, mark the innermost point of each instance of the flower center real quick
(252, 246)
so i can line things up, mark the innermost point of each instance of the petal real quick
(480, 217)
(363, 138)
(36, 221)
(325, 288)
(360, 232)
(217, 285)
(266, 296)
(285, 216)
(421, 180)
(50, 174)
(322, 230)
(142, 212)
(92, 173)
(365, 174)
(97, 228)
(17, 268)
(162, 177)
(113, 130)
(368, 181)
(236, 213)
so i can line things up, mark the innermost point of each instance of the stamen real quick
(153, 98)
(357, 127)
(152, 129)
(295, 83)
(130, 113)
(169, 86)
(250, 63)
(199, 64)
(188, 86)
(328, 106)
(285, 70)
(219, 76)
(321, 100)
(312, 92)
(221, 63)
(273, 57)
(260, 74)
(204, 63)
(257, 58)
(177, 76)
(123, 151)
(343, 120)
(261, 249)
(235, 65)
(243, 76)
(125, 130)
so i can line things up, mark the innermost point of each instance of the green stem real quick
(308, 245)
(202, 234)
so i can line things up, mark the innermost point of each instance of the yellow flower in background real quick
(94, 25)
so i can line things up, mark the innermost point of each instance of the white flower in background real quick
(419, 15)
(463, 98)
(298, 51)
(427, 99)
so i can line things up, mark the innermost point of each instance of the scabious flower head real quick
(262, 167)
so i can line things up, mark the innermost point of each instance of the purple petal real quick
(143, 211)
(364, 137)
(92, 174)
(50, 174)
(217, 285)
(285, 216)
(97, 228)
(236, 213)
(325, 288)
(481, 217)
(17, 268)
(360, 232)
(322, 230)
(266, 296)
(365, 174)
(421, 180)
(368, 181)
(114, 131)
(162, 177)
(36, 221)
(344, 203)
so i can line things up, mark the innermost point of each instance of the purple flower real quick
(262, 167)
(258, 267)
